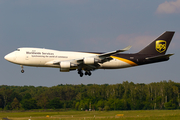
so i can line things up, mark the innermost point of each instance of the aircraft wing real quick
(91, 62)
(104, 57)
(113, 52)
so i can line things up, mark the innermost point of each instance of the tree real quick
(119, 104)
(77, 105)
(125, 96)
(15, 104)
(5, 94)
(170, 105)
(27, 96)
(55, 103)
(42, 101)
(106, 108)
(1, 101)
(100, 104)
(29, 104)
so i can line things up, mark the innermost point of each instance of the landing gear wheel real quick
(80, 72)
(89, 73)
(22, 71)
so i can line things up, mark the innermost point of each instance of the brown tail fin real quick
(160, 45)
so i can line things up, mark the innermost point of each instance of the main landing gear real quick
(22, 71)
(86, 72)
(80, 72)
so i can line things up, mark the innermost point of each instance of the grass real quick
(98, 115)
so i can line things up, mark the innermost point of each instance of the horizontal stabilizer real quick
(159, 57)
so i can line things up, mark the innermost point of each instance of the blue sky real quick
(87, 25)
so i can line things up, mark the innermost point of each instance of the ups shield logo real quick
(160, 46)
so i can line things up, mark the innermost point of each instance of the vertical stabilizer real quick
(160, 45)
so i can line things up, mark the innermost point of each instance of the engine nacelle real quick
(64, 70)
(90, 60)
(65, 66)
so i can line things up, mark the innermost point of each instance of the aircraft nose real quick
(10, 57)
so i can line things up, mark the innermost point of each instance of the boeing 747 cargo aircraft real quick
(89, 61)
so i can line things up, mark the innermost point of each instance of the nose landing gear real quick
(22, 71)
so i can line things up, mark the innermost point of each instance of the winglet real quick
(125, 49)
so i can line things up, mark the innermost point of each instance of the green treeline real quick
(125, 96)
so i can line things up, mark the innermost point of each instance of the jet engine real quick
(65, 66)
(90, 60)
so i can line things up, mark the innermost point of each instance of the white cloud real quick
(169, 7)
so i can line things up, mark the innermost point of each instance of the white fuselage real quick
(40, 57)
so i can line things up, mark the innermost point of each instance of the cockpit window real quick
(17, 49)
